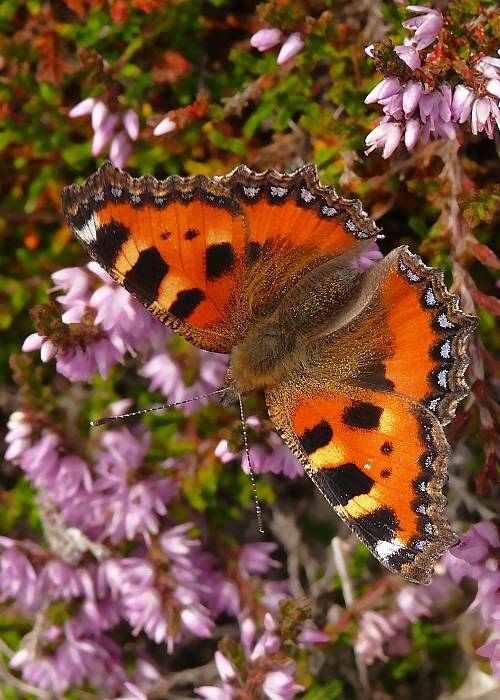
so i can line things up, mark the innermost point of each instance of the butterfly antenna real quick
(110, 419)
(258, 510)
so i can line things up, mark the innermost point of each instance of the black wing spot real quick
(387, 448)
(186, 302)
(145, 277)
(314, 438)
(191, 233)
(219, 259)
(348, 481)
(380, 524)
(385, 473)
(363, 415)
(165, 235)
(374, 376)
(253, 251)
(109, 242)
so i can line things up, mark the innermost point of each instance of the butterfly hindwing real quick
(380, 460)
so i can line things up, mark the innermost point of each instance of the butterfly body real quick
(360, 370)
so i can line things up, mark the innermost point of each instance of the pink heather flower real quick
(310, 634)
(166, 126)
(374, 631)
(412, 92)
(18, 436)
(104, 123)
(491, 651)
(386, 88)
(461, 105)
(266, 39)
(131, 124)
(19, 580)
(254, 558)
(99, 113)
(426, 27)
(368, 258)
(485, 114)
(165, 375)
(409, 55)
(489, 66)
(476, 544)
(279, 685)
(224, 667)
(74, 661)
(120, 149)
(386, 136)
(493, 87)
(290, 48)
(103, 133)
(83, 108)
(177, 544)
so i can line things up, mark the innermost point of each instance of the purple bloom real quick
(386, 88)
(461, 105)
(131, 124)
(104, 122)
(165, 374)
(18, 579)
(426, 26)
(409, 55)
(120, 149)
(266, 39)
(386, 135)
(255, 558)
(165, 126)
(485, 114)
(279, 685)
(491, 651)
(412, 92)
(374, 631)
(290, 48)
(368, 258)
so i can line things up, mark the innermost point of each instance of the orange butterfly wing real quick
(177, 245)
(356, 417)
(200, 253)
(380, 460)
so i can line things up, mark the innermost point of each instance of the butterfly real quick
(360, 370)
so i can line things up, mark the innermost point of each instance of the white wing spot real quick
(159, 200)
(99, 196)
(251, 191)
(88, 232)
(445, 351)
(433, 404)
(428, 462)
(421, 509)
(430, 299)
(135, 198)
(387, 549)
(116, 191)
(329, 211)
(429, 528)
(349, 224)
(412, 276)
(444, 322)
(443, 378)
(422, 487)
(278, 191)
(420, 544)
(306, 195)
